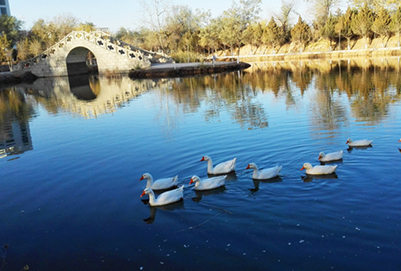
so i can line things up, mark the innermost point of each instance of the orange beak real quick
(141, 178)
(302, 168)
(248, 167)
(319, 157)
(203, 158)
(143, 193)
(399, 140)
(346, 142)
(190, 182)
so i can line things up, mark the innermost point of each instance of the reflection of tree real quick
(217, 93)
(14, 103)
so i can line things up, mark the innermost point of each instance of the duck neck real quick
(210, 166)
(255, 172)
(151, 198)
(149, 182)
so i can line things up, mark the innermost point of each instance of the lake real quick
(73, 151)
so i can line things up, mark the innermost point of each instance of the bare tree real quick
(283, 18)
(322, 9)
(156, 11)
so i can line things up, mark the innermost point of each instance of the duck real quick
(332, 156)
(264, 174)
(165, 197)
(222, 168)
(208, 183)
(319, 169)
(399, 140)
(359, 143)
(160, 184)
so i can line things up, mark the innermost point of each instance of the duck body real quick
(165, 197)
(319, 169)
(332, 156)
(222, 168)
(359, 143)
(208, 183)
(159, 184)
(264, 174)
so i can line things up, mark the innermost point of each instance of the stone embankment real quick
(9, 78)
(187, 69)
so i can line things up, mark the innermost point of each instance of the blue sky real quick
(125, 13)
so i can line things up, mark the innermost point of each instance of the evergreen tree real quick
(344, 25)
(328, 31)
(362, 22)
(273, 35)
(395, 24)
(381, 24)
(301, 32)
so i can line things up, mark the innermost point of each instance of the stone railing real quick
(97, 38)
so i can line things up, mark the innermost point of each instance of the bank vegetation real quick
(365, 27)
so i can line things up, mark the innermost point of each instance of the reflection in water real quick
(256, 183)
(309, 178)
(370, 87)
(15, 113)
(84, 87)
(169, 207)
(200, 193)
(350, 149)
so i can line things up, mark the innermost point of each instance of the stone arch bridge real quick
(69, 56)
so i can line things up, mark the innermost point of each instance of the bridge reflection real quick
(84, 87)
(86, 95)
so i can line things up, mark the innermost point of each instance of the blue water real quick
(71, 201)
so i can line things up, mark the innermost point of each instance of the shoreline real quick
(187, 69)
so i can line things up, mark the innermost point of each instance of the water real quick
(70, 185)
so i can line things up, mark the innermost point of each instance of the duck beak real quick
(302, 168)
(346, 142)
(143, 193)
(203, 158)
(190, 182)
(141, 178)
(248, 167)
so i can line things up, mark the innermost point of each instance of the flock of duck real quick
(221, 169)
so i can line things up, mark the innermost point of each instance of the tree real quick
(236, 20)
(11, 27)
(156, 12)
(284, 18)
(87, 27)
(4, 47)
(209, 35)
(328, 31)
(362, 22)
(253, 35)
(344, 25)
(381, 24)
(301, 32)
(395, 24)
(322, 9)
(273, 34)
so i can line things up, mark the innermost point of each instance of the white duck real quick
(160, 184)
(208, 183)
(332, 156)
(264, 174)
(319, 170)
(359, 143)
(164, 198)
(222, 168)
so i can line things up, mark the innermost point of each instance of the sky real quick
(129, 13)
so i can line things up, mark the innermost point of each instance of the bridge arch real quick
(77, 61)
(112, 55)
